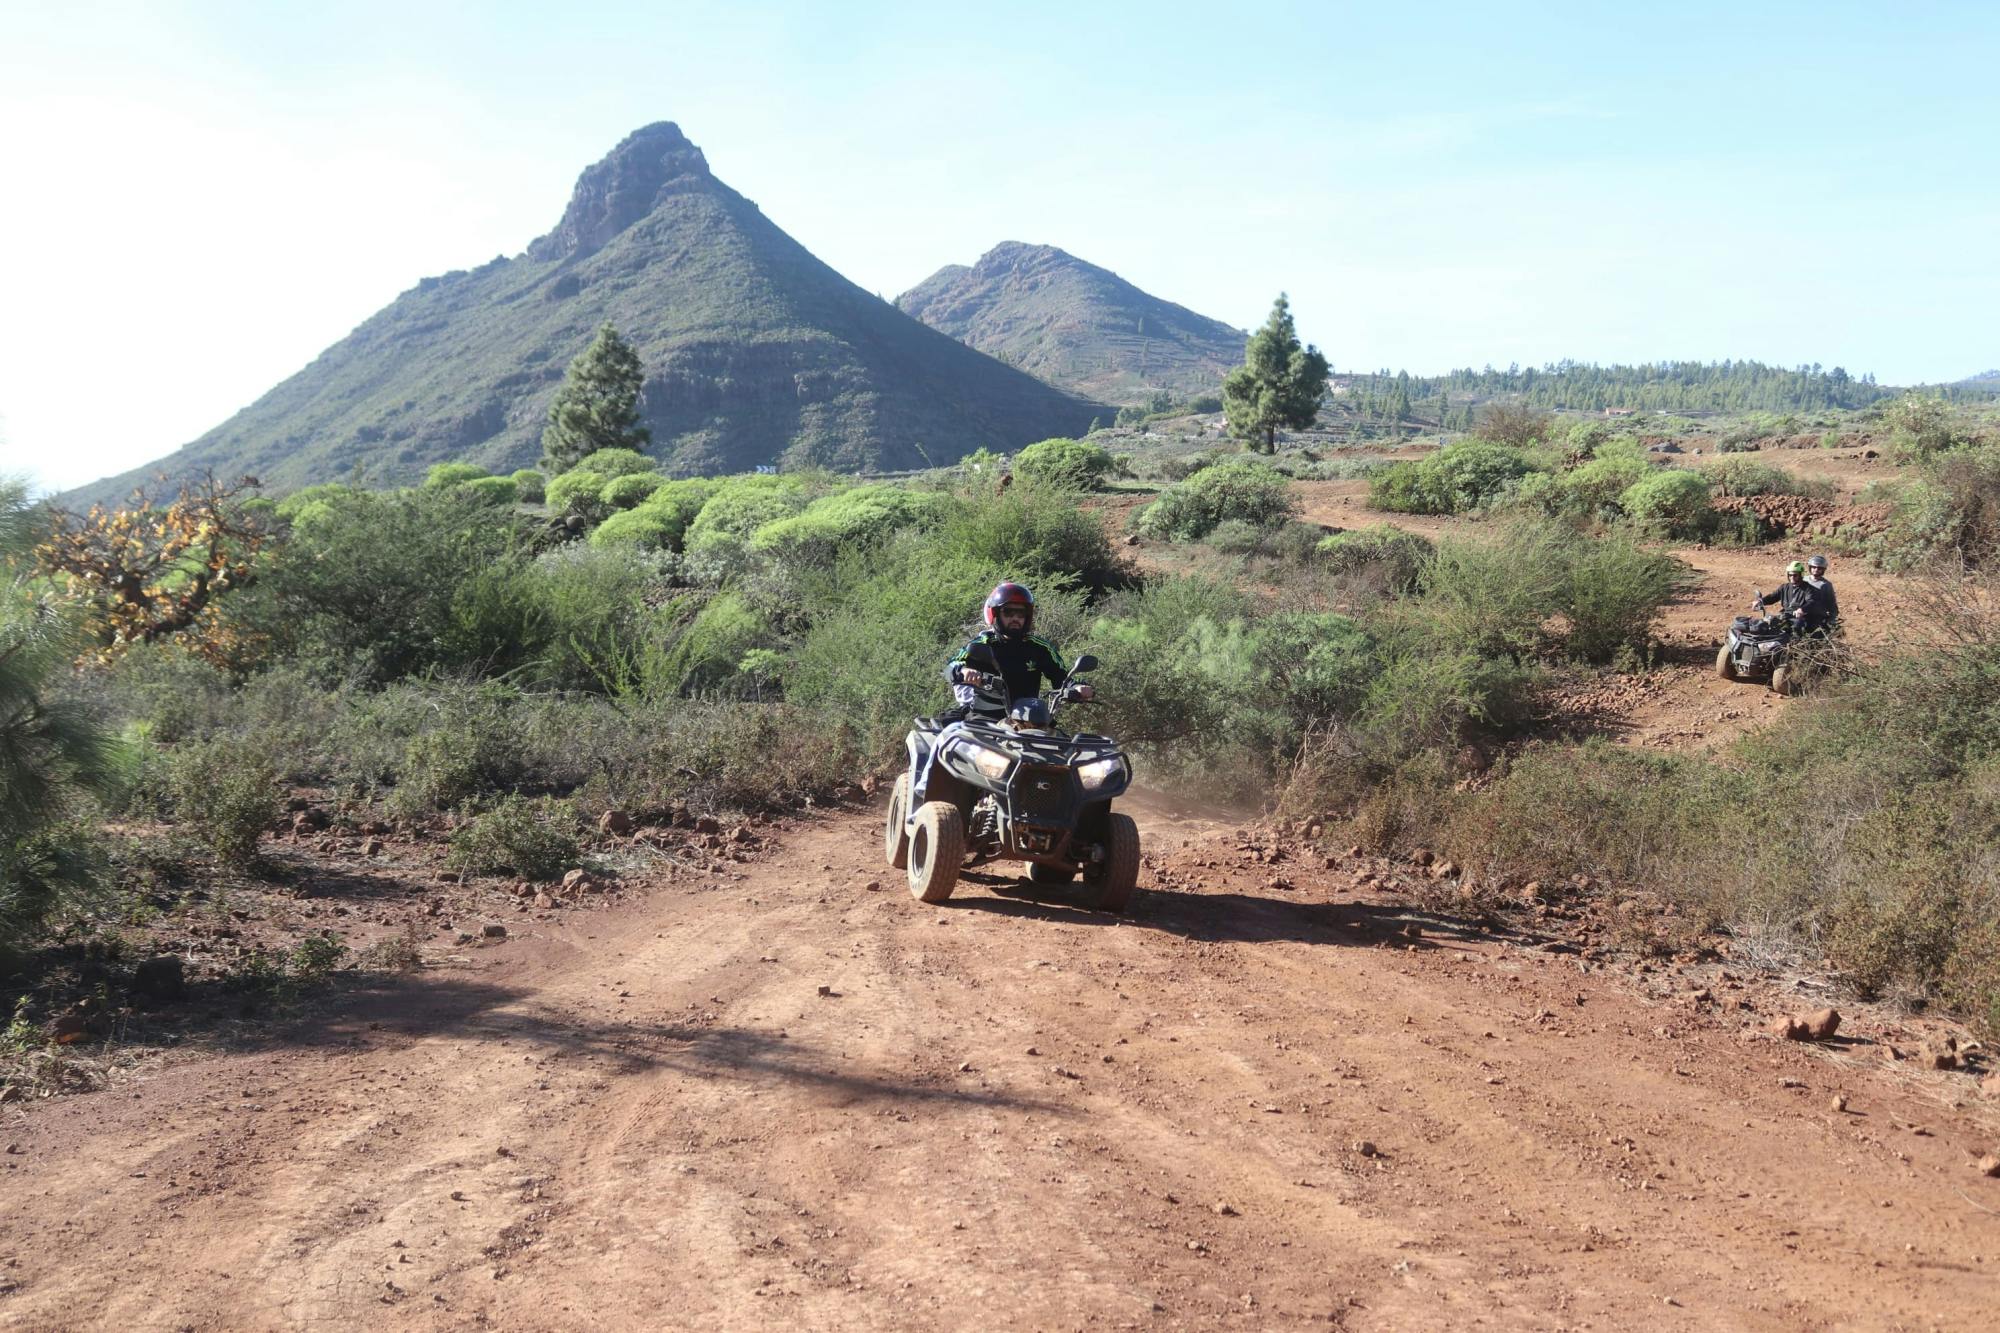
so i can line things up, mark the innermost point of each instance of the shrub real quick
(1494, 598)
(608, 463)
(858, 516)
(310, 498)
(1036, 535)
(1386, 557)
(535, 839)
(1922, 427)
(630, 489)
(579, 491)
(661, 521)
(492, 490)
(1463, 475)
(530, 486)
(738, 507)
(1069, 465)
(1671, 502)
(1597, 485)
(1952, 510)
(452, 474)
(226, 791)
(1515, 425)
(1748, 476)
(1242, 489)
(1614, 595)
(370, 580)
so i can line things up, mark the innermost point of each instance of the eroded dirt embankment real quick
(779, 1094)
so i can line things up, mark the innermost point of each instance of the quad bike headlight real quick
(1099, 774)
(992, 763)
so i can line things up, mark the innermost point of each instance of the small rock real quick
(742, 834)
(1226, 1210)
(1789, 1027)
(372, 847)
(574, 879)
(1034, 1050)
(464, 937)
(874, 886)
(1444, 870)
(1423, 856)
(615, 822)
(543, 901)
(1839, 1102)
(308, 821)
(1989, 1165)
(1822, 1023)
(1132, 539)
(826, 990)
(1366, 1148)
(707, 824)
(493, 930)
(1355, 850)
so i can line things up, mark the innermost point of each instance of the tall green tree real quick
(1279, 384)
(598, 404)
(53, 758)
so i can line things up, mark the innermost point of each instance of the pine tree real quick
(597, 406)
(1280, 382)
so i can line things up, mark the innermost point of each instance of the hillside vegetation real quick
(452, 651)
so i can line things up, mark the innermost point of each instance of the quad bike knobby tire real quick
(1118, 874)
(937, 849)
(895, 838)
(1041, 874)
(1725, 665)
(1781, 680)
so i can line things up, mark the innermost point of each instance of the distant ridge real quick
(756, 353)
(1079, 327)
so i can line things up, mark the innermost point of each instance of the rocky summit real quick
(755, 353)
(1079, 327)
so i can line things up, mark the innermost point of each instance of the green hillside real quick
(756, 353)
(1077, 326)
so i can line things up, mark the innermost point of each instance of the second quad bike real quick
(1014, 787)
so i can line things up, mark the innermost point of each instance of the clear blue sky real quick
(201, 197)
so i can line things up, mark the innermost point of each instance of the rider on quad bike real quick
(1809, 610)
(1025, 657)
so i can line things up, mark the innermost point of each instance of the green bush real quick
(1069, 465)
(1597, 485)
(225, 791)
(534, 839)
(492, 490)
(1495, 598)
(1242, 489)
(1614, 594)
(609, 463)
(1386, 557)
(579, 491)
(370, 583)
(452, 474)
(310, 497)
(1036, 535)
(1951, 511)
(858, 516)
(1748, 476)
(661, 521)
(1672, 503)
(738, 507)
(1462, 476)
(530, 486)
(630, 489)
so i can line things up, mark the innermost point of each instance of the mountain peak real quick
(627, 184)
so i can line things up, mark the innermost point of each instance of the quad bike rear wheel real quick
(1117, 875)
(895, 838)
(1725, 665)
(937, 849)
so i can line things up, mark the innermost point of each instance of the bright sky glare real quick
(203, 196)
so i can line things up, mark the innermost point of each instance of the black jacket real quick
(1802, 596)
(1025, 663)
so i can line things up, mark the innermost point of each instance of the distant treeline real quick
(1672, 386)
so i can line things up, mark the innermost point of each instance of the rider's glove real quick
(967, 676)
(1085, 692)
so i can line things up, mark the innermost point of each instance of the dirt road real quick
(1256, 1103)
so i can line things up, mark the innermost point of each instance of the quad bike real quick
(1014, 788)
(1761, 648)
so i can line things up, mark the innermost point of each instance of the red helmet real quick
(1009, 594)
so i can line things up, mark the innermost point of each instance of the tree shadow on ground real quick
(372, 1010)
(1243, 918)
